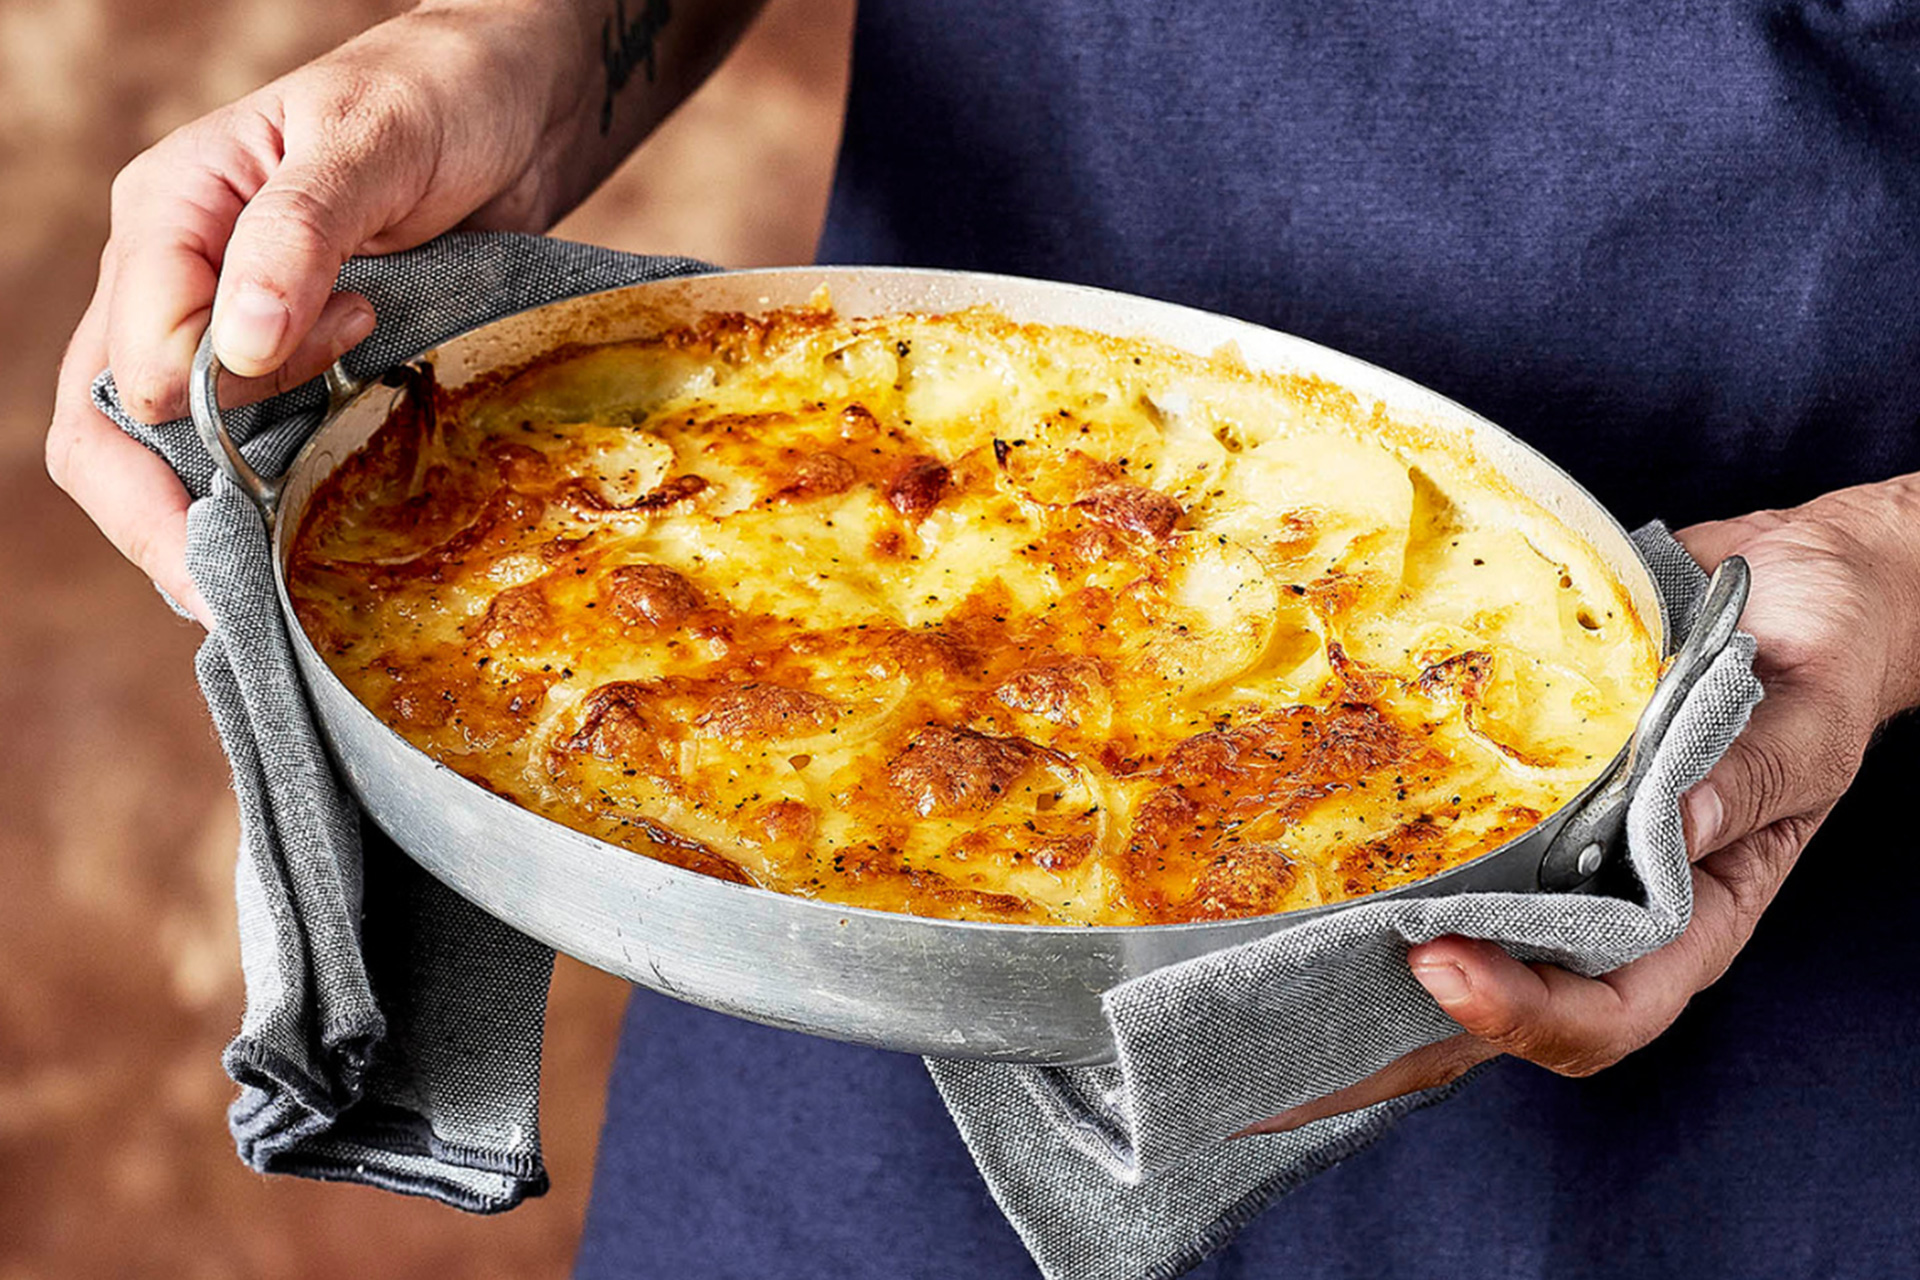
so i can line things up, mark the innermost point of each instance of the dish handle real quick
(203, 401)
(1597, 833)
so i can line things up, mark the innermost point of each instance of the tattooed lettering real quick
(628, 43)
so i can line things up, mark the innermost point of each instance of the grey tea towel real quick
(400, 1047)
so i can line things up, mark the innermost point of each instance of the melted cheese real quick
(950, 615)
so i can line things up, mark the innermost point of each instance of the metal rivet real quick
(1590, 859)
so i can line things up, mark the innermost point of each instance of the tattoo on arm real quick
(627, 43)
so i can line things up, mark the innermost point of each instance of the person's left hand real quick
(1836, 609)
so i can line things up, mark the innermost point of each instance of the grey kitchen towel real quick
(392, 1032)
(1126, 1172)
(400, 1047)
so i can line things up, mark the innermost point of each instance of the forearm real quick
(609, 72)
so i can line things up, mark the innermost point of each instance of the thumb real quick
(287, 248)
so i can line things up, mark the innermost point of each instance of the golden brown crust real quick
(1245, 880)
(817, 475)
(651, 595)
(917, 485)
(583, 498)
(1133, 508)
(1063, 690)
(944, 769)
(967, 618)
(518, 614)
(766, 711)
(623, 725)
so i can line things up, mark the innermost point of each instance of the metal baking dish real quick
(1015, 993)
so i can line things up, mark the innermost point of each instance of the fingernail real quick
(1445, 981)
(1705, 812)
(1285, 1122)
(248, 329)
(350, 330)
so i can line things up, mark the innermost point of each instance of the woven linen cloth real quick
(400, 1047)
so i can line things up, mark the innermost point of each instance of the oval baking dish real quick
(1016, 992)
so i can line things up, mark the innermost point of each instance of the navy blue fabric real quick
(1678, 247)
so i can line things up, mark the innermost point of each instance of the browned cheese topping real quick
(956, 616)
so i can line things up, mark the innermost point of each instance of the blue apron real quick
(1676, 248)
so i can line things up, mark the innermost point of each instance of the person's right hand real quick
(433, 120)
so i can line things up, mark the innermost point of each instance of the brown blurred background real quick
(119, 966)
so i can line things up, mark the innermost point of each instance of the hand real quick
(1836, 610)
(429, 121)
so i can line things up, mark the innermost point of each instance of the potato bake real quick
(953, 615)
